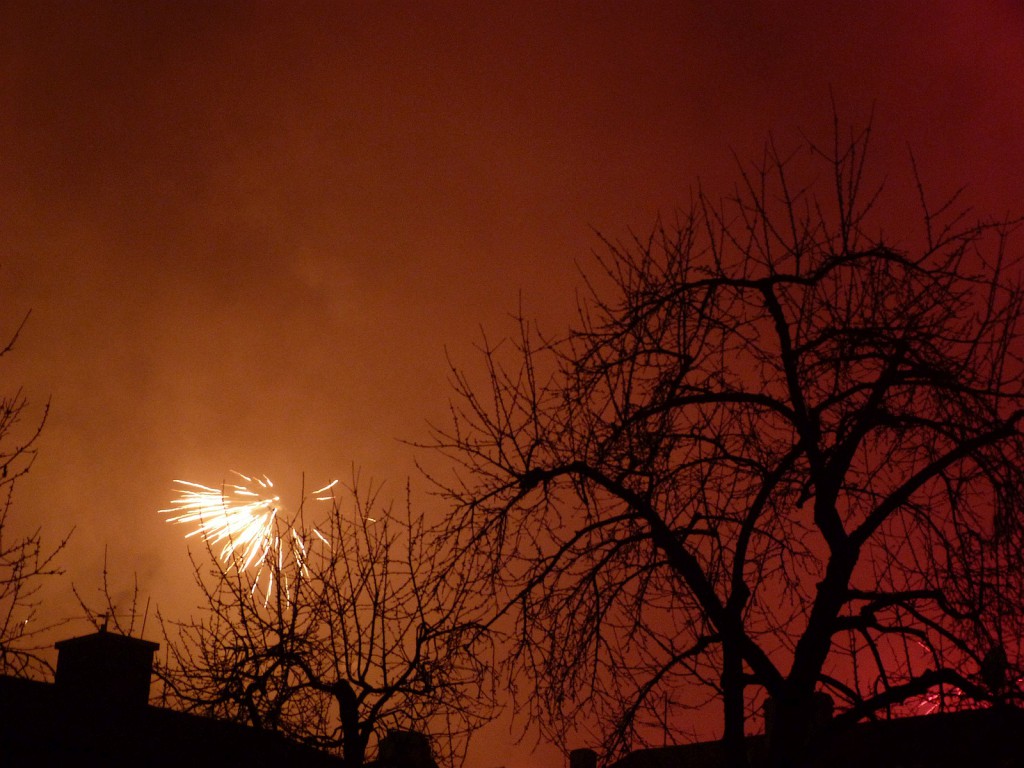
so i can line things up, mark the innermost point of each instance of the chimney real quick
(105, 670)
(582, 758)
(405, 749)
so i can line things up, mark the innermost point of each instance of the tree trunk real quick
(733, 706)
(353, 746)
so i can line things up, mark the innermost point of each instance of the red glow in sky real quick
(247, 232)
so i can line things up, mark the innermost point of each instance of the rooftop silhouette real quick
(97, 712)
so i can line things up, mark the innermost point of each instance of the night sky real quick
(249, 233)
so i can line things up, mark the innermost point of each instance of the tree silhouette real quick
(778, 456)
(353, 628)
(25, 563)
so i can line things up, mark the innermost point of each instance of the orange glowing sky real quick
(248, 232)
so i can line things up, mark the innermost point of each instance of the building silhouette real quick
(978, 738)
(96, 712)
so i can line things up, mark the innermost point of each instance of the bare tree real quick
(25, 563)
(340, 632)
(778, 455)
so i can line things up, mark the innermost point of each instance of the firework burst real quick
(245, 519)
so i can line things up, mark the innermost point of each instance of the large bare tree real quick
(778, 455)
(25, 561)
(339, 631)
